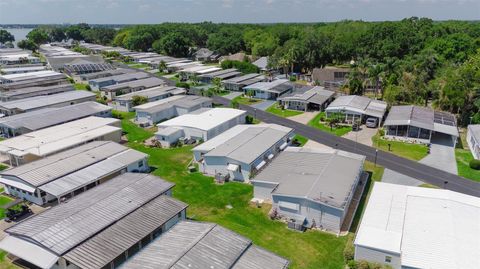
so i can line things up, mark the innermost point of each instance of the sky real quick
(240, 11)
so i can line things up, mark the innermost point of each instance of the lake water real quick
(19, 33)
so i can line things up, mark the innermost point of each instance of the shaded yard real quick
(284, 113)
(338, 130)
(410, 151)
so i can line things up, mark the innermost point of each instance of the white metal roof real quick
(359, 104)
(29, 252)
(47, 100)
(430, 228)
(56, 138)
(206, 120)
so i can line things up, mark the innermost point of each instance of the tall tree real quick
(6, 36)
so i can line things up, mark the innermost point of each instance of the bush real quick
(70, 80)
(475, 164)
(293, 78)
(248, 119)
(88, 88)
(182, 85)
(381, 132)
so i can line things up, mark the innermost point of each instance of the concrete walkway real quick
(263, 105)
(232, 95)
(304, 118)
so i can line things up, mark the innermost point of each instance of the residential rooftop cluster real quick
(86, 134)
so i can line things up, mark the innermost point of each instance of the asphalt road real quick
(407, 167)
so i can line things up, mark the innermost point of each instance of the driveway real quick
(363, 136)
(263, 105)
(304, 118)
(232, 95)
(442, 154)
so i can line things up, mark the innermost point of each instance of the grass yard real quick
(208, 202)
(139, 65)
(133, 132)
(301, 139)
(284, 113)
(80, 86)
(5, 262)
(3, 201)
(463, 157)
(246, 100)
(410, 151)
(338, 131)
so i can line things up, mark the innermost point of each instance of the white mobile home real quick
(357, 108)
(269, 90)
(240, 152)
(174, 106)
(312, 188)
(66, 174)
(202, 124)
(35, 145)
(122, 216)
(414, 227)
(473, 140)
(125, 102)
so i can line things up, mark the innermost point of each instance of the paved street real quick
(404, 166)
(263, 105)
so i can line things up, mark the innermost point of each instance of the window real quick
(388, 259)
(179, 215)
(140, 163)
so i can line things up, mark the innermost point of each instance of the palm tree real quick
(374, 73)
(162, 66)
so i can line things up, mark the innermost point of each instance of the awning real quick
(283, 146)
(29, 252)
(260, 165)
(288, 205)
(232, 167)
(271, 156)
(17, 184)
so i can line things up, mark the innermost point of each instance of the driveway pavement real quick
(390, 176)
(426, 173)
(442, 154)
(263, 105)
(304, 118)
(232, 95)
(363, 136)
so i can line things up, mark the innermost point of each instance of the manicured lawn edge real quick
(463, 157)
(338, 131)
(410, 151)
(284, 113)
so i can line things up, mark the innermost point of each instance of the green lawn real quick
(133, 132)
(5, 262)
(426, 185)
(208, 202)
(80, 86)
(3, 201)
(301, 139)
(139, 65)
(277, 110)
(464, 157)
(246, 100)
(411, 151)
(338, 131)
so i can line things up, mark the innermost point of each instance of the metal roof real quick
(423, 117)
(359, 104)
(57, 138)
(45, 170)
(428, 228)
(37, 90)
(258, 258)
(122, 77)
(63, 227)
(205, 120)
(324, 177)
(30, 75)
(183, 101)
(39, 119)
(474, 130)
(92, 173)
(200, 245)
(145, 82)
(220, 72)
(46, 100)
(261, 63)
(116, 239)
(238, 80)
(249, 143)
(148, 93)
(276, 86)
(317, 95)
(107, 73)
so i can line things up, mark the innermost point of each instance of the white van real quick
(372, 123)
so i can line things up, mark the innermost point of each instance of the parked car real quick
(372, 123)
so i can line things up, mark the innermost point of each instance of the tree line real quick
(412, 61)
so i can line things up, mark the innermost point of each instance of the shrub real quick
(475, 164)
(182, 85)
(248, 119)
(88, 88)
(349, 251)
(293, 78)
(381, 132)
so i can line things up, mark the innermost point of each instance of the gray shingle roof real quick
(65, 226)
(201, 245)
(104, 247)
(325, 177)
